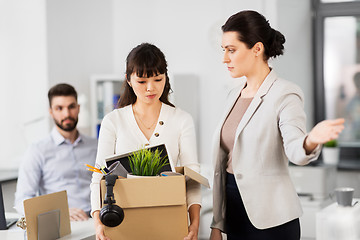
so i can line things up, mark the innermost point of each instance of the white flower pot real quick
(129, 175)
(331, 156)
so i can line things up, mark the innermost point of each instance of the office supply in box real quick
(39, 206)
(124, 168)
(154, 207)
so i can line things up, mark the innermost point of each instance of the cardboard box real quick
(154, 207)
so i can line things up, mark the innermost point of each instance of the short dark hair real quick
(61, 89)
(146, 60)
(252, 27)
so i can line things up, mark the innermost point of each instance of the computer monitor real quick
(4, 223)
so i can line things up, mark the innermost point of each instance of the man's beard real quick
(67, 127)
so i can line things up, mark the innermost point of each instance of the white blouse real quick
(119, 134)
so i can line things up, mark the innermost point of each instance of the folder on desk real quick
(45, 207)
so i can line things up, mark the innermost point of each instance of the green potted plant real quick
(331, 144)
(331, 152)
(145, 162)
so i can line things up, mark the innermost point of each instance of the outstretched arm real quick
(323, 132)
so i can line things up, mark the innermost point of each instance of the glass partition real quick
(342, 74)
(337, 71)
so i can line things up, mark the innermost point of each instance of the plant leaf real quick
(145, 162)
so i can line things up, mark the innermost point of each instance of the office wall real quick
(294, 21)
(43, 43)
(23, 77)
(189, 34)
(48, 42)
(80, 44)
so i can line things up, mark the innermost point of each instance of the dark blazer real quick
(271, 133)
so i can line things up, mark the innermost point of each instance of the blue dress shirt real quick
(55, 164)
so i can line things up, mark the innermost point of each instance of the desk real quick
(79, 230)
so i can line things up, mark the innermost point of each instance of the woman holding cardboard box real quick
(145, 117)
(262, 129)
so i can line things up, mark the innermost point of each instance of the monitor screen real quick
(4, 223)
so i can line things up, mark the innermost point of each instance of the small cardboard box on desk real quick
(154, 207)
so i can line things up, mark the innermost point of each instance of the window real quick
(337, 69)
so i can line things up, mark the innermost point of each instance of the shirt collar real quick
(59, 139)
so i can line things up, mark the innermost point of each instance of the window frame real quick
(349, 153)
(320, 12)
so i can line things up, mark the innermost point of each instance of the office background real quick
(46, 42)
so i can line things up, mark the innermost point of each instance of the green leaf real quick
(331, 143)
(144, 162)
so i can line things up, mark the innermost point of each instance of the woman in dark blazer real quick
(262, 129)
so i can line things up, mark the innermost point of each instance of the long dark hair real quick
(252, 27)
(146, 60)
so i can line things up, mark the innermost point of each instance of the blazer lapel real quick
(230, 103)
(233, 95)
(255, 103)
